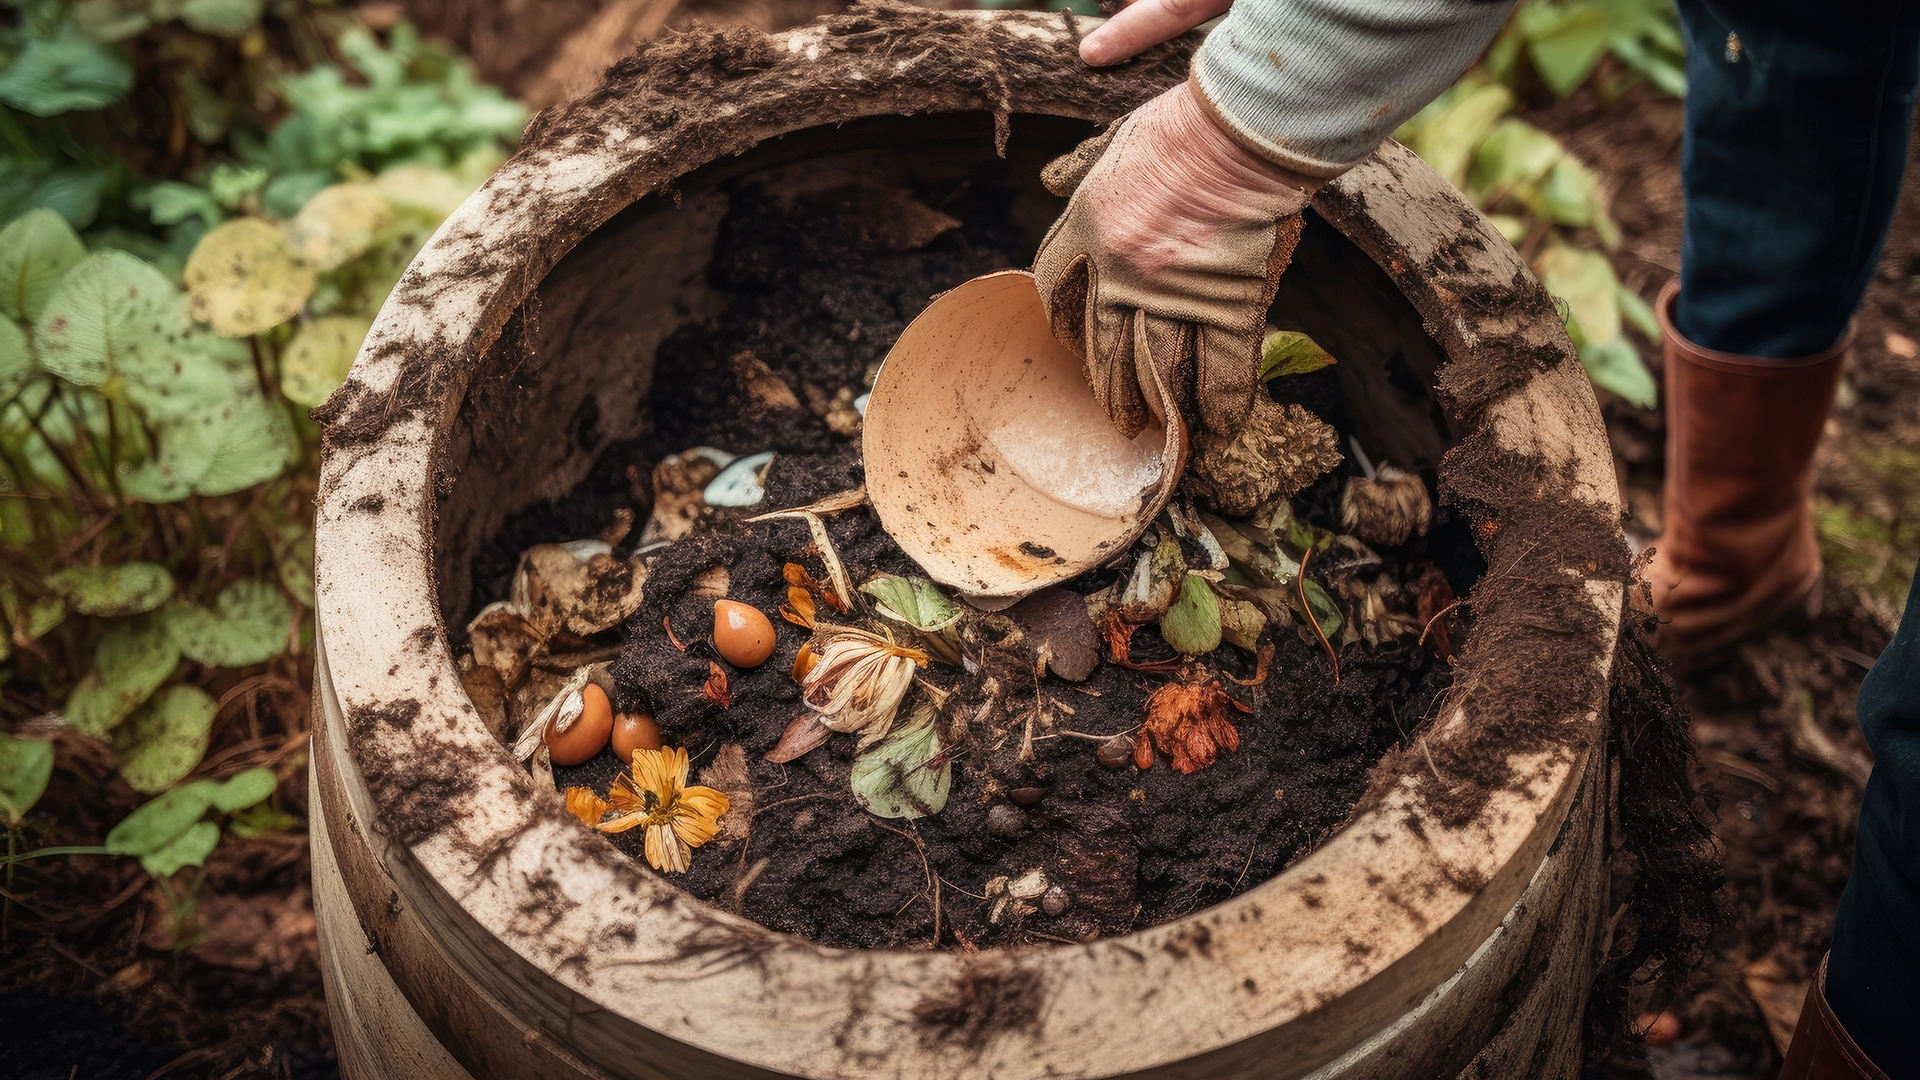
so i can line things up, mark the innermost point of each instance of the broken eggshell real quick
(739, 484)
(988, 459)
(679, 485)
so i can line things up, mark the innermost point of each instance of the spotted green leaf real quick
(16, 359)
(36, 251)
(130, 663)
(124, 589)
(248, 625)
(244, 277)
(163, 740)
(243, 440)
(110, 312)
(339, 223)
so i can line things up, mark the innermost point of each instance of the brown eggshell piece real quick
(742, 633)
(634, 731)
(583, 738)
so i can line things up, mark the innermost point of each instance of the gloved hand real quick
(1160, 272)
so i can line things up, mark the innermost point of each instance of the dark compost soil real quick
(818, 299)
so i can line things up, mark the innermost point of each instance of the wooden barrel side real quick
(577, 943)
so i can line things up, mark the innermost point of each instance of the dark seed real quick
(1115, 753)
(1006, 821)
(1027, 796)
(1056, 901)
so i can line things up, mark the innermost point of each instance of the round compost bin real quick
(470, 927)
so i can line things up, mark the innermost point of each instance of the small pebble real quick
(1027, 796)
(1056, 901)
(1006, 821)
(1115, 753)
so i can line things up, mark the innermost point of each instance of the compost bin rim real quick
(468, 841)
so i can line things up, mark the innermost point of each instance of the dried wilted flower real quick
(677, 818)
(1187, 718)
(1387, 509)
(715, 688)
(857, 680)
(585, 805)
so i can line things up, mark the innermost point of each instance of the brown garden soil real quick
(1774, 726)
(819, 300)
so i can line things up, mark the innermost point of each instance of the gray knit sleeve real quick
(1315, 85)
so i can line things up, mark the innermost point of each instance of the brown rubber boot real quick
(1738, 550)
(1821, 1049)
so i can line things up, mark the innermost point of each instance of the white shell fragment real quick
(739, 483)
(1028, 886)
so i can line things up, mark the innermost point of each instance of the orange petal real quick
(716, 688)
(585, 805)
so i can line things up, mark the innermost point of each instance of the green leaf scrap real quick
(1290, 352)
(896, 779)
(1192, 625)
(912, 600)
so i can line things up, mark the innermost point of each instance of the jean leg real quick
(1796, 141)
(1873, 975)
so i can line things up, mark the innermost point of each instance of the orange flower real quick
(677, 818)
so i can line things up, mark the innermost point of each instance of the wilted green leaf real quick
(25, 767)
(16, 359)
(190, 848)
(1566, 53)
(262, 821)
(36, 251)
(912, 600)
(130, 663)
(1192, 624)
(162, 742)
(125, 589)
(1515, 153)
(1616, 366)
(42, 616)
(1570, 195)
(1290, 352)
(248, 626)
(244, 277)
(1511, 226)
(318, 357)
(1326, 613)
(110, 312)
(244, 789)
(110, 21)
(894, 780)
(1585, 280)
(339, 224)
(64, 74)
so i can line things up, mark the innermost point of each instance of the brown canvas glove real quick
(1161, 269)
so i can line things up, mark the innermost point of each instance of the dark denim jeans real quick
(1796, 139)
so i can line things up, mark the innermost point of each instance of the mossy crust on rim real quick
(521, 902)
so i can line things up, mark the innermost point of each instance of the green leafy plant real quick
(168, 313)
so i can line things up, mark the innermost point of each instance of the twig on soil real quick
(1300, 579)
(1088, 736)
(836, 573)
(1437, 616)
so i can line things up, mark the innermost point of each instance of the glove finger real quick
(1164, 362)
(1066, 298)
(1111, 370)
(1064, 173)
(1227, 375)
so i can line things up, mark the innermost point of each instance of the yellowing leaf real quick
(318, 357)
(244, 277)
(1585, 280)
(339, 223)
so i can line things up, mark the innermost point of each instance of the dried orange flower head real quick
(1188, 719)
(857, 680)
(677, 818)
